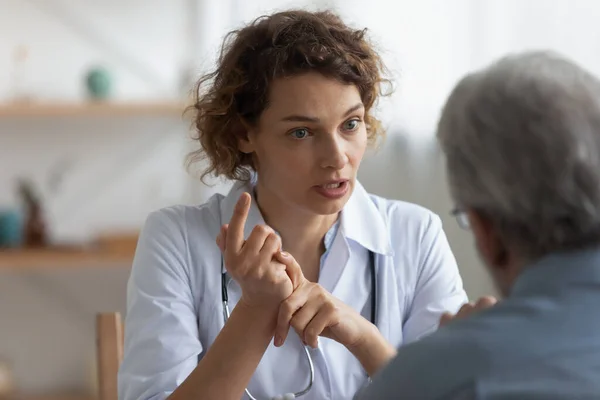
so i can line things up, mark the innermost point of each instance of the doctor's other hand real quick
(312, 311)
(468, 309)
(264, 281)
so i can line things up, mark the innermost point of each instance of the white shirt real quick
(174, 308)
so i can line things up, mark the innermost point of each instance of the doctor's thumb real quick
(293, 269)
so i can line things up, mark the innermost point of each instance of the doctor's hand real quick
(312, 311)
(264, 281)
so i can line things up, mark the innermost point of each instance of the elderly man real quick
(522, 144)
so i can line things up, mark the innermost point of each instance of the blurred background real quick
(92, 139)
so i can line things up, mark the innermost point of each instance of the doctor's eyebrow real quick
(305, 118)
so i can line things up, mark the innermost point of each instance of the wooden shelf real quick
(57, 109)
(55, 258)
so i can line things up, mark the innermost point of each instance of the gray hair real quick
(522, 146)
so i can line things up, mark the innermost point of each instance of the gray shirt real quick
(542, 342)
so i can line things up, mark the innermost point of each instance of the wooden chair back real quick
(109, 341)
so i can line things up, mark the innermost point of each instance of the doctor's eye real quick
(351, 124)
(300, 133)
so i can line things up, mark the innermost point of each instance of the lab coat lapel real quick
(362, 222)
(335, 263)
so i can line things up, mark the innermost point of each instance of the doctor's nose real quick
(333, 153)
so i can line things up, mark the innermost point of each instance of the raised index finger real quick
(235, 232)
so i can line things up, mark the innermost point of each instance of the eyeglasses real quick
(461, 218)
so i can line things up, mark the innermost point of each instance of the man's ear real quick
(491, 246)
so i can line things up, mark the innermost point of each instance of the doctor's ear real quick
(245, 144)
(245, 137)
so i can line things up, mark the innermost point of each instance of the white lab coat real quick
(174, 309)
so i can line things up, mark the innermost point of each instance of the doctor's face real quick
(309, 143)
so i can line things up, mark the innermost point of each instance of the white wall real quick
(115, 164)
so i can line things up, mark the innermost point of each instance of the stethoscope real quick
(289, 396)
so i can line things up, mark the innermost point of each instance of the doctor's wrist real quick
(261, 310)
(373, 351)
(368, 336)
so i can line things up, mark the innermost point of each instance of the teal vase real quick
(99, 83)
(11, 228)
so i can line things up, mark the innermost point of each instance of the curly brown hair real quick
(233, 96)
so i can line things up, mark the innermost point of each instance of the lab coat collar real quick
(228, 205)
(361, 221)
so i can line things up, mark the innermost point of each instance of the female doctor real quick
(288, 115)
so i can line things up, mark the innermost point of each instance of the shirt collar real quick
(558, 272)
(360, 219)
(228, 205)
(362, 222)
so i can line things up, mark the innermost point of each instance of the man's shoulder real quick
(518, 341)
(445, 362)
(464, 342)
(454, 358)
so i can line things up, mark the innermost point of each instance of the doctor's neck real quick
(301, 232)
